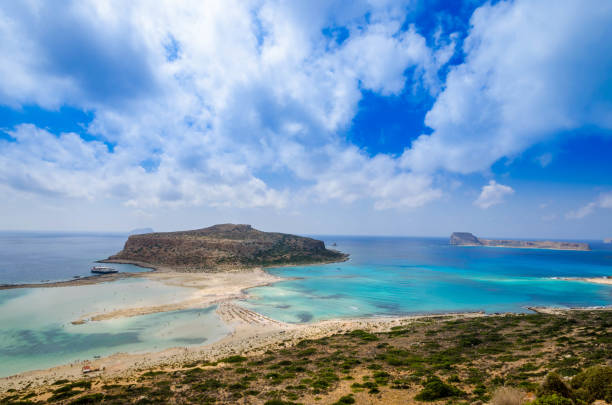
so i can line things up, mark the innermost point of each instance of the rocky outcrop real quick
(140, 231)
(464, 239)
(468, 239)
(224, 246)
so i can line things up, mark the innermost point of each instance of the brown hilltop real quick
(223, 246)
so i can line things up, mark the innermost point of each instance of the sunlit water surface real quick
(36, 329)
(391, 276)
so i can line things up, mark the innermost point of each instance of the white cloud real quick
(533, 69)
(603, 201)
(492, 194)
(254, 91)
(545, 159)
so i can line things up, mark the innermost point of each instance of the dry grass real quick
(508, 396)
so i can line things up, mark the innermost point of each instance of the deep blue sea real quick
(384, 276)
(391, 276)
(32, 257)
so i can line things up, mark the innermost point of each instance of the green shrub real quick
(553, 399)
(88, 399)
(594, 383)
(381, 377)
(208, 385)
(63, 395)
(234, 359)
(363, 335)
(347, 399)
(436, 389)
(553, 384)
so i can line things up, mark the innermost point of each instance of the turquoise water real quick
(37, 331)
(385, 276)
(32, 257)
(391, 276)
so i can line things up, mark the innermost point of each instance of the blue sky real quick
(374, 117)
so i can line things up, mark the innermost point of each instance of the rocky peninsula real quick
(468, 239)
(223, 247)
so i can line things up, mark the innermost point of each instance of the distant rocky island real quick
(608, 240)
(468, 239)
(225, 246)
(139, 231)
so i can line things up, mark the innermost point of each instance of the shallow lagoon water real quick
(393, 276)
(385, 276)
(37, 331)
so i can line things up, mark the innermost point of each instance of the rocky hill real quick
(468, 239)
(222, 247)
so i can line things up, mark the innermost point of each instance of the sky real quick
(375, 117)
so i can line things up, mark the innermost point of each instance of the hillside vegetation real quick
(545, 359)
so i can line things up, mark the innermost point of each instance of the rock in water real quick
(467, 239)
(464, 238)
(225, 246)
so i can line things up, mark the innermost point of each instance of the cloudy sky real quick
(316, 117)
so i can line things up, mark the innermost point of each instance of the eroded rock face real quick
(224, 246)
(467, 239)
(464, 238)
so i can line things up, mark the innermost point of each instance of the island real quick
(222, 247)
(468, 239)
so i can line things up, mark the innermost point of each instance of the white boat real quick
(103, 270)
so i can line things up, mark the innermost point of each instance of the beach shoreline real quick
(606, 280)
(208, 289)
(107, 278)
(251, 334)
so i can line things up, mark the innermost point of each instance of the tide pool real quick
(395, 276)
(37, 332)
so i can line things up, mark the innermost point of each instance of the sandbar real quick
(252, 333)
(607, 280)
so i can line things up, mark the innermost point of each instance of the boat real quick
(89, 369)
(103, 270)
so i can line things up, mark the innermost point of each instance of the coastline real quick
(522, 247)
(561, 311)
(252, 333)
(106, 278)
(209, 289)
(606, 280)
(88, 280)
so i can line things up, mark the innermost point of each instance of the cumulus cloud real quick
(532, 70)
(210, 103)
(492, 194)
(199, 103)
(603, 201)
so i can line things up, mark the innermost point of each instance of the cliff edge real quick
(224, 246)
(468, 239)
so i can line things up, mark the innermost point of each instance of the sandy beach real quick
(208, 289)
(596, 280)
(251, 333)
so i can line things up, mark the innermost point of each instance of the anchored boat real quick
(103, 270)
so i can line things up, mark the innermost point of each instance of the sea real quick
(385, 276)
